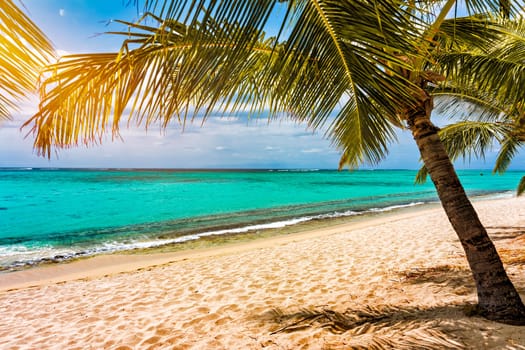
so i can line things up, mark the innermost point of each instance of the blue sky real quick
(223, 142)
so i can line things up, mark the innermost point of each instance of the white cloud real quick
(312, 150)
(62, 12)
(227, 119)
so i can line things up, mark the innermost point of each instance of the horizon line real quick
(312, 169)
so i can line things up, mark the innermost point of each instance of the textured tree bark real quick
(498, 299)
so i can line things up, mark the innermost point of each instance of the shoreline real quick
(179, 239)
(206, 240)
(128, 261)
(103, 264)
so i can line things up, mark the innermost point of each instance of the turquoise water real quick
(58, 214)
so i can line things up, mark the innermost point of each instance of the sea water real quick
(58, 214)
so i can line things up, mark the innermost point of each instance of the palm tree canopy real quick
(24, 51)
(357, 65)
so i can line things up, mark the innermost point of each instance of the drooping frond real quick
(421, 176)
(362, 137)
(476, 32)
(161, 79)
(474, 138)
(509, 149)
(502, 78)
(24, 50)
(470, 138)
(350, 43)
(468, 104)
(503, 8)
(467, 138)
(521, 187)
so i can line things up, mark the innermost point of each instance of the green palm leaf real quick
(88, 94)
(467, 138)
(521, 187)
(362, 136)
(421, 176)
(509, 148)
(502, 77)
(462, 33)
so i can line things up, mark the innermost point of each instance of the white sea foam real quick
(393, 207)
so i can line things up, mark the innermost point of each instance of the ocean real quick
(53, 215)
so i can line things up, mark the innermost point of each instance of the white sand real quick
(225, 298)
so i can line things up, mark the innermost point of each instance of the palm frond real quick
(502, 78)
(500, 8)
(24, 50)
(468, 104)
(509, 148)
(483, 63)
(362, 136)
(421, 176)
(467, 138)
(162, 78)
(511, 47)
(521, 187)
(492, 74)
(476, 32)
(354, 44)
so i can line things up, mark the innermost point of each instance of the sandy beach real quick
(392, 281)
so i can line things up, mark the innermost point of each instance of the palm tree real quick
(24, 49)
(371, 64)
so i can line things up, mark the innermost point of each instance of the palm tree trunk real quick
(497, 298)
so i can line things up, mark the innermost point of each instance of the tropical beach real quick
(242, 235)
(398, 280)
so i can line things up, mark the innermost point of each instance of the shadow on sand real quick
(392, 327)
(498, 233)
(451, 326)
